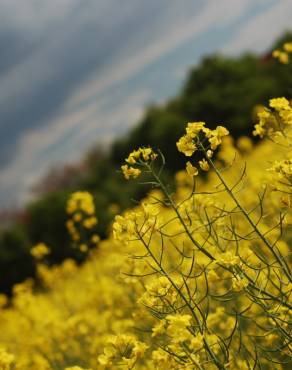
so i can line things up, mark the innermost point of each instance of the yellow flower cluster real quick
(284, 171)
(122, 350)
(239, 283)
(139, 156)
(81, 201)
(6, 360)
(227, 259)
(81, 209)
(195, 137)
(124, 227)
(160, 290)
(283, 55)
(40, 251)
(276, 121)
(192, 141)
(280, 180)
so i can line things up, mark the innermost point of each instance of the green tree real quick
(16, 263)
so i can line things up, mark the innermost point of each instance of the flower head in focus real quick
(137, 157)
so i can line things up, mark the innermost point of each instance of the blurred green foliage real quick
(220, 90)
(46, 220)
(15, 260)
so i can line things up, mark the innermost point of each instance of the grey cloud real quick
(39, 72)
(72, 54)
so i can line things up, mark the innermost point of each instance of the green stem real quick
(230, 193)
(169, 198)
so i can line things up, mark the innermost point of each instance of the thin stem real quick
(230, 193)
(169, 198)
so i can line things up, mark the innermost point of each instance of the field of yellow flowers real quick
(198, 278)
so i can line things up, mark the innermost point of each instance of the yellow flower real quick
(213, 276)
(281, 55)
(162, 360)
(83, 248)
(145, 153)
(90, 222)
(197, 342)
(159, 328)
(133, 157)
(6, 359)
(81, 201)
(209, 153)
(40, 250)
(130, 172)
(239, 284)
(122, 349)
(194, 128)
(186, 146)
(279, 103)
(177, 327)
(227, 259)
(244, 144)
(124, 227)
(215, 136)
(77, 217)
(151, 209)
(214, 141)
(221, 131)
(204, 165)
(288, 47)
(191, 170)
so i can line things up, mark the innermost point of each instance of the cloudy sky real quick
(77, 72)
